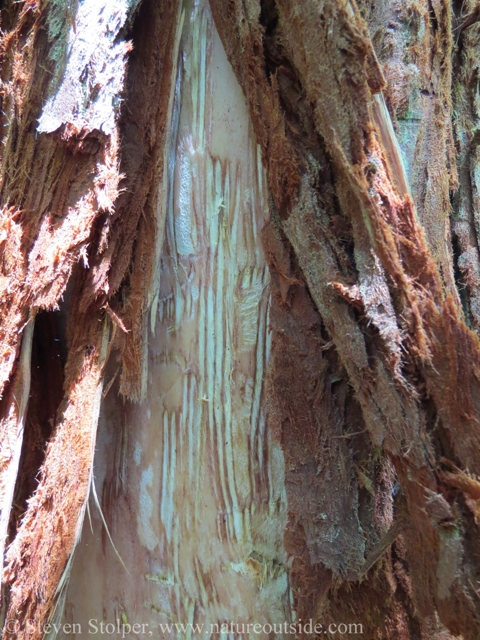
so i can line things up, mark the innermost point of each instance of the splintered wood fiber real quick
(328, 405)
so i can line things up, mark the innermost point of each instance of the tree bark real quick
(274, 445)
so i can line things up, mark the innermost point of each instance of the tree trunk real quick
(240, 295)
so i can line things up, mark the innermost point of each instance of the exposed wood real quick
(13, 426)
(265, 306)
(192, 474)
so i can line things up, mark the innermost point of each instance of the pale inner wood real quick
(191, 483)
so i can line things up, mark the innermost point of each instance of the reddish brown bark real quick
(343, 228)
(374, 379)
(63, 211)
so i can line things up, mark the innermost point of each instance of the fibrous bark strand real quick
(373, 384)
(414, 365)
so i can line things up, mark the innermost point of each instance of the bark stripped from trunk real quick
(374, 380)
(193, 475)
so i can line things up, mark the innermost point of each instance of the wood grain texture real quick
(191, 481)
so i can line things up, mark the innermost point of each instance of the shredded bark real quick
(385, 299)
(374, 382)
(414, 42)
(68, 219)
(465, 202)
(37, 558)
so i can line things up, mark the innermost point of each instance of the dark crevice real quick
(269, 16)
(459, 280)
(46, 393)
(432, 16)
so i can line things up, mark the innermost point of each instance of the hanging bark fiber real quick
(341, 486)
(67, 220)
